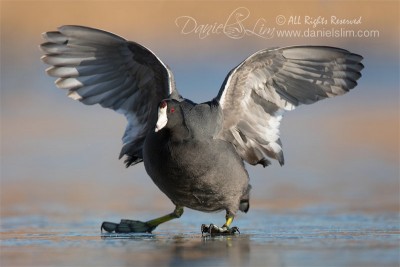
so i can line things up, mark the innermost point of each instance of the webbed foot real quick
(127, 226)
(214, 230)
(130, 226)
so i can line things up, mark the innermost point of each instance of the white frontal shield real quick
(162, 118)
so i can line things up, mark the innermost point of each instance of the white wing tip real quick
(274, 147)
(74, 95)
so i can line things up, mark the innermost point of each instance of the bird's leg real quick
(130, 226)
(212, 229)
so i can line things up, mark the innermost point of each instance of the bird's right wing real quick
(98, 67)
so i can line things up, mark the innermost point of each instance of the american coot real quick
(195, 153)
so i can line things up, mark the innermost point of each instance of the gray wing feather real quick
(256, 93)
(98, 67)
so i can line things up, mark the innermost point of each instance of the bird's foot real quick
(214, 230)
(127, 226)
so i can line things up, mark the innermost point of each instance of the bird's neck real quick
(179, 133)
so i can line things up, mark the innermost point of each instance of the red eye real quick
(172, 110)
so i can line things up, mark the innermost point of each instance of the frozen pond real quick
(334, 203)
(309, 238)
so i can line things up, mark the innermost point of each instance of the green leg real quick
(130, 226)
(229, 220)
(177, 213)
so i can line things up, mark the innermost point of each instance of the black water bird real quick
(195, 153)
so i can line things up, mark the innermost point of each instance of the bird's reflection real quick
(183, 250)
(232, 250)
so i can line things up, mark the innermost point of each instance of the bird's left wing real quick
(98, 67)
(257, 92)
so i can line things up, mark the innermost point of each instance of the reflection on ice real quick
(266, 239)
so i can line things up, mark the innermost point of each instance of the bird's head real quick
(169, 114)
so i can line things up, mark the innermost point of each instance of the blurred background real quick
(60, 157)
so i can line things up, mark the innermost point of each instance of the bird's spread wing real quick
(97, 67)
(257, 92)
